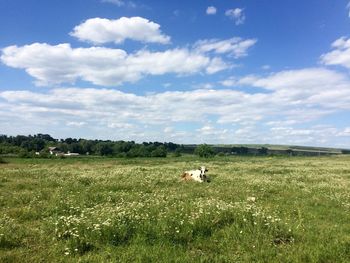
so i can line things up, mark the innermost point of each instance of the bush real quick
(204, 150)
(2, 160)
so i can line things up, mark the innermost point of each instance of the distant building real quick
(54, 150)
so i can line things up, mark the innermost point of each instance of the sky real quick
(204, 71)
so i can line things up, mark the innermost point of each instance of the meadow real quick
(255, 209)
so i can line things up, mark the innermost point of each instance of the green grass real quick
(272, 209)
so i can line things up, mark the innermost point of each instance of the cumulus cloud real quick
(101, 30)
(236, 46)
(237, 15)
(211, 10)
(56, 64)
(340, 55)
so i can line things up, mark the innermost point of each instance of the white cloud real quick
(168, 129)
(208, 130)
(340, 54)
(237, 15)
(76, 123)
(101, 30)
(308, 80)
(345, 132)
(230, 82)
(120, 3)
(301, 98)
(120, 126)
(235, 46)
(302, 95)
(266, 67)
(115, 2)
(53, 65)
(211, 10)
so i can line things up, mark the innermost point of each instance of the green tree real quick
(104, 148)
(160, 151)
(204, 150)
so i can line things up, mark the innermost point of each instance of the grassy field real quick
(256, 209)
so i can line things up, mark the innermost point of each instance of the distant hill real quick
(266, 149)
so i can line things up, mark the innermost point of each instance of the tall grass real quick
(106, 210)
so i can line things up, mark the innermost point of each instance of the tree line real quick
(27, 146)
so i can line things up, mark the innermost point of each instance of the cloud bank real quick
(287, 99)
(57, 64)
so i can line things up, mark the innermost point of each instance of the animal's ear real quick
(199, 168)
(206, 170)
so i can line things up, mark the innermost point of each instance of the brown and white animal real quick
(196, 175)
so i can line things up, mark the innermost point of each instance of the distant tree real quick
(241, 150)
(177, 152)
(133, 152)
(143, 151)
(263, 151)
(289, 152)
(86, 145)
(69, 140)
(63, 147)
(75, 147)
(171, 146)
(204, 150)
(104, 148)
(28, 145)
(45, 137)
(160, 151)
(38, 144)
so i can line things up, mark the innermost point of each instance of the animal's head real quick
(203, 169)
(203, 176)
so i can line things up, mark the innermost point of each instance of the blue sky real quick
(239, 71)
